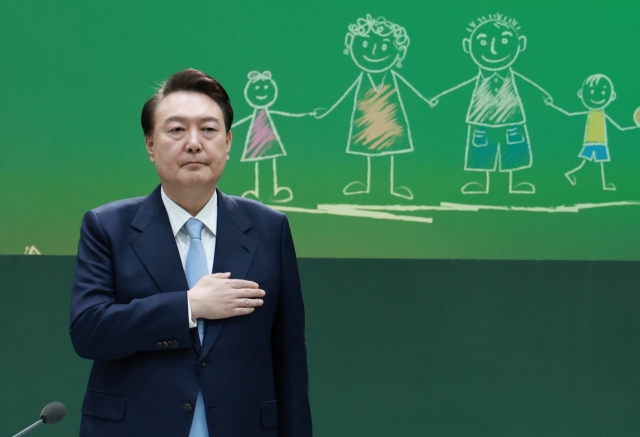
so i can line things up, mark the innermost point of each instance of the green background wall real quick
(396, 347)
(76, 75)
(543, 344)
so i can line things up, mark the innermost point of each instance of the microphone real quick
(51, 413)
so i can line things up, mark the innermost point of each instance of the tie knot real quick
(194, 227)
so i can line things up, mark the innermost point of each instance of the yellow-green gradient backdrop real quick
(76, 74)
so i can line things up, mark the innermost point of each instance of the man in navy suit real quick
(134, 315)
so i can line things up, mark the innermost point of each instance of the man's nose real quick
(493, 46)
(193, 141)
(374, 49)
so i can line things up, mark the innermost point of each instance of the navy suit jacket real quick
(129, 315)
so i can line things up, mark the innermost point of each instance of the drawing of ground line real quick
(451, 206)
(349, 211)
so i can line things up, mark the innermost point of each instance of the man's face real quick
(598, 94)
(189, 144)
(373, 53)
(262, 93)
(494, 45)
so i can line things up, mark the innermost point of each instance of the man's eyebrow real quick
(481, 35)
(506, 32)
(183, 119)
(386, 39)
(174, 118)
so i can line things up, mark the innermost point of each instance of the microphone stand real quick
(26, 430)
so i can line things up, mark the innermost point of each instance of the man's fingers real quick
(225, 275)
(241, 311)
(245, 306)
(241, 283)
(250, 303)
(250, 292)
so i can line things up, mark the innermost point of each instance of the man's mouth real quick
(261, 97)
(493, 61)
(599, 102)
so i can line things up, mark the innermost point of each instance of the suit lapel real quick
(156, 246)
(234, 253)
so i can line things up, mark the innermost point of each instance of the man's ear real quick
(522, 43)
(466, 45)
(580, 93)
(148, 141)
(228, 141)
(347, 43)
(613, 96)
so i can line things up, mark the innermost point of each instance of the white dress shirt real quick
(178, 217)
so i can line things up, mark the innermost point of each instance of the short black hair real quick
(187, 80)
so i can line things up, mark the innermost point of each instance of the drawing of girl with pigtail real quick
(263, 141)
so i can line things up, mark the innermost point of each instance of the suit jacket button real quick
(174, 343)
(202, 364)
(187, 408)
(159, 345)
(164, 344)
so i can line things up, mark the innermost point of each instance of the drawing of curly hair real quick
(380, 26)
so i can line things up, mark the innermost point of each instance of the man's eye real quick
(505, 41)
(177, 129)
(266, 86)
(384, 47)
(483, 42)
(365, 44)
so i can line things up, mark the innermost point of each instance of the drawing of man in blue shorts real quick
(497, 137)
(497, 141)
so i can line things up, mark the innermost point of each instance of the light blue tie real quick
(195, 268)
(196, 265)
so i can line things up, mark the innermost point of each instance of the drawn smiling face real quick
(494, 45)
(598, 93)
(261, 93)
(374, 53)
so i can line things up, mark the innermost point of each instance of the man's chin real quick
(196, 179)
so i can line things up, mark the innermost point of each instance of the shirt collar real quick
(178, 216)
(486, 74)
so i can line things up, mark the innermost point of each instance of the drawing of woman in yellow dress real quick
(379, 125)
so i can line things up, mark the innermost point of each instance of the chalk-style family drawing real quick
(596, 94)
(263, 141)
(497, 136)
(379, 125)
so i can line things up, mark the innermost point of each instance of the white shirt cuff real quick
(192, 323)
